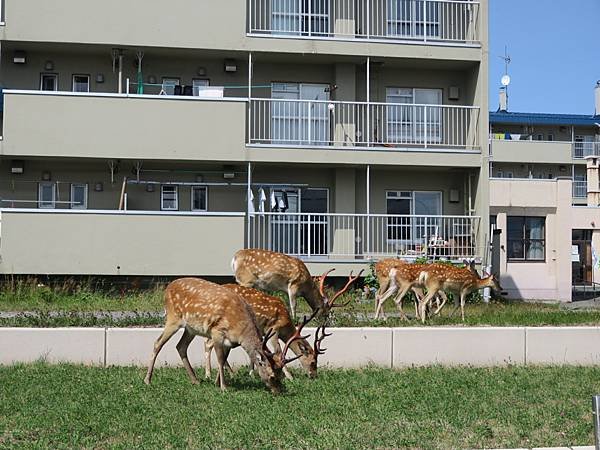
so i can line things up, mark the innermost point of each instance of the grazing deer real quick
(460, 282)
(275, 271)
(207, 309)
(382, 272)
(271, 314)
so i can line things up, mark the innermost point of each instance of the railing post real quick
(425, 20)
(308, 239)
(425, 125)
(368, 28)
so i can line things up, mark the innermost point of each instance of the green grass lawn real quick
(76, 407)
(75, 303)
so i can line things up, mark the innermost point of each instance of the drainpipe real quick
(120, 72)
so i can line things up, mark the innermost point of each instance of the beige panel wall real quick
(119, 127)
(117, 244)
(531, 151)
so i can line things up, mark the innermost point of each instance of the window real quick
(81, 83)
(47, 195)
(550, 137)
(307, 17)
(198, 85)
(413, 123)
(79, 194)
(410, 18)
(168, 86)
(419, 203)
(199, 198)
(48, 82)
(306, 123)
(539, 137)
(526, 238)
(584, 146)
(168, 198)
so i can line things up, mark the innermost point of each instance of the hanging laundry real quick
(273, 201)
(262, 198)
(286, 203)
(251, 202)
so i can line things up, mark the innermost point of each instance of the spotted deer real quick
(213, 311)
(382, 272)
(268, 270)
(272, 314)
(459, 282)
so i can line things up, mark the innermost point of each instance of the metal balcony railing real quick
(388, 20)
(583, 149)
(579, 189)
(317, 123)
(362, 236)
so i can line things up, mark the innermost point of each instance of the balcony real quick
(550, 152)
(352, 237)
(88, 242)
(413, 21)
(359, 125)
(124, 126)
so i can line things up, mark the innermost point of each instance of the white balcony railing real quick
(357, 124)
(583, 149)
(393, 20)
(579, 189)
(362, 236)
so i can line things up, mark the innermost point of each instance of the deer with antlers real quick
(272, 316)
(458, 281)
(268, 270)
(213, 311)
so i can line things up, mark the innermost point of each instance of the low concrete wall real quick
(347, 347)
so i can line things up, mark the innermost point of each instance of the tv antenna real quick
(505, 80)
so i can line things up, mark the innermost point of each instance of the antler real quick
(296, 336)
(322, 282)
(268, 335)
(351, 280)
(319, 339)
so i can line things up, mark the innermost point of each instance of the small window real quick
(500, 174)
(47, 195)
(81, 83)
(79, 193)
(539, 137)
(168, 85)
(199, 198)
(48, 82)
(168, 198)
(198, 85)
(550, 137)
(508, 174)
(526, 238)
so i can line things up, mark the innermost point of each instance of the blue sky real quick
(555, 50)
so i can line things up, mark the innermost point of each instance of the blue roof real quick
(514, 118)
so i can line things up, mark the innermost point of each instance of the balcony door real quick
(413, 19)
(300, 17)
(413, 230)
(301, 227)
(411, 120)
(304, 122)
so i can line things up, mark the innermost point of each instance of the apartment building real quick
(544, 199)
(144, 140)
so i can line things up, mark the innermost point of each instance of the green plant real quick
(370, 279)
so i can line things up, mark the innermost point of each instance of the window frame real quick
(162, 199)
(525, 241)
(89, 82)
(85, 195)
(414, 225)
(46, 205)
(193, 188)
(48, 74)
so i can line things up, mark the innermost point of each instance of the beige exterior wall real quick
(118, 244)
(119, 127)
(545, 280)
(532, 152)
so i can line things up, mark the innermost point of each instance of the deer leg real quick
(398, 301)
(419, 294)
(208, 347)
(393, 288)
(463, 298)
(221, 359)
(384, 283)
(444, 297)
(425, 302)
(170, 329)
(182, 347)
(292, 297)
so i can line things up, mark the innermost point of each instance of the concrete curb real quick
(347, 347)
